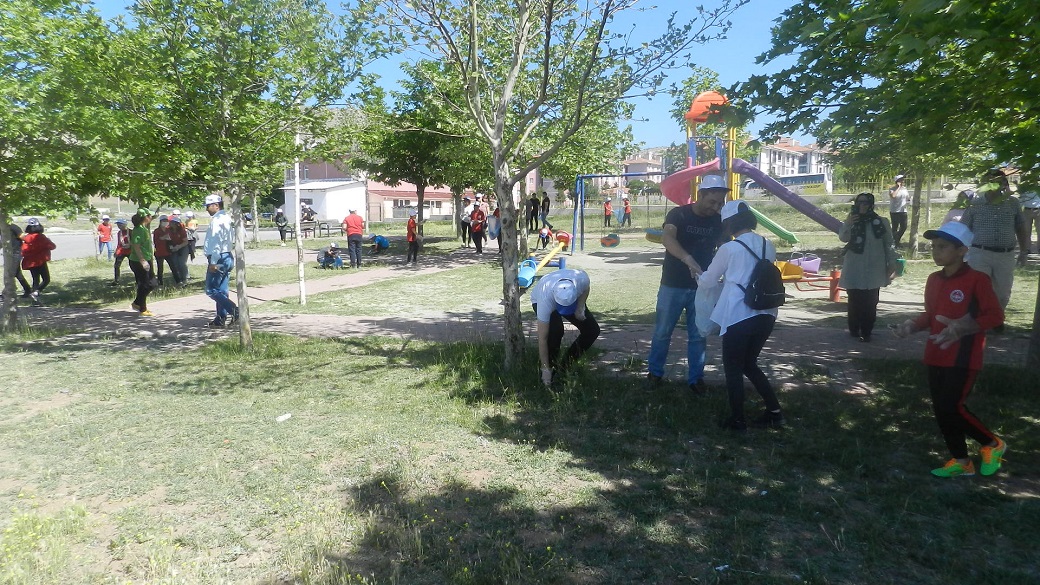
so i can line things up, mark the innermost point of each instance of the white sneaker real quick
(283, 244)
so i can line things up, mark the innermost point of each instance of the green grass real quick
(412, 462)
(409, 462)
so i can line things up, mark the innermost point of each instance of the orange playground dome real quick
(701, 106)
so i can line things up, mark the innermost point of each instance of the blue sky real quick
(733, 58)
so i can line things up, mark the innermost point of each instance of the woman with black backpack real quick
(744, 329)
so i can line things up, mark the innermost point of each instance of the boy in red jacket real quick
(36, 253)
(959, 306)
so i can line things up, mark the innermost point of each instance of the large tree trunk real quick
(514, 330)
(524, 236)
(915, 214)
(9, 321)
(420, 196)
(256, 220)
(1033, 357)
(245, 332)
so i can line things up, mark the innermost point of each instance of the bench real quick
(308, 227)
(325, 228)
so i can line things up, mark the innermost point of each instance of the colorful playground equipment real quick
(682, 185)
(529, 268)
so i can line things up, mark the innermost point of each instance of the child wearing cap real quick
(104, 233)
(608, 212)
(122, 249)
(413, 238)
(959, 306)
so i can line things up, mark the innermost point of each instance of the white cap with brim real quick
(730, 209)
(713, 182)
(899, 178)
(412, 213)
(565, 292)
(953, 231)
(211, 199)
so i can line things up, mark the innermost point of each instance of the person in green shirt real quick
(142, 260)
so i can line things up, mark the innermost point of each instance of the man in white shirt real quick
(558, 296)
(219, 251)
(898, 197)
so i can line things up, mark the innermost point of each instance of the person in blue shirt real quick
(379, 243)
(558, 296)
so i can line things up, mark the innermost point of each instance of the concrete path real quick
(799, 339)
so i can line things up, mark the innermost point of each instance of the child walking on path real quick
(36, 253)
(959, 306)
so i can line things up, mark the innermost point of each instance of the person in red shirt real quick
(178, 250)
(477, 222)
(413, 238)
(959, 306)
(354, 227)
(627, 213)
(608, 211)
(36, 253)
(104, 232)
(122, 249)
(163, 256)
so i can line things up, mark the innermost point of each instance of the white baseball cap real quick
(175, 212)
(953, 231)
(214, 198)
(565, 292)
(713, 182)
(104, 217)
(899, 178)
(730, 209)
(412, 213)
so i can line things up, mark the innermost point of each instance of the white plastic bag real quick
(704, 304)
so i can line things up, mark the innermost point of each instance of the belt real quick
(994, 248)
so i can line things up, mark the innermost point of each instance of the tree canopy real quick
(541, 71)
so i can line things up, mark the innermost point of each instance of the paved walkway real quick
(799, 340)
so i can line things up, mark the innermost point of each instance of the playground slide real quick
(784, 194)
(774, 227)
(676, 186)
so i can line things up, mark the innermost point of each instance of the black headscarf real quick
(858, 240)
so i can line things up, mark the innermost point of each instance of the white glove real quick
(955, 329)
(905, 329)
(547, 376)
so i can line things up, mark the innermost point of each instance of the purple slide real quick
(784, 194)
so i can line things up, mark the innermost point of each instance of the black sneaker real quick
(216, 324)
(653, 381)
(232, 319)
(699, 388)
(865, 338)
(733, 425)
(769, 420)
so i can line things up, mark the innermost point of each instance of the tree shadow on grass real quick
(656, 493)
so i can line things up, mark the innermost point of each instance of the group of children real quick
(173, 241)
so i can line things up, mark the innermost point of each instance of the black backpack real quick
(765, 290)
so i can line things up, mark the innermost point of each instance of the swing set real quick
(578, 221)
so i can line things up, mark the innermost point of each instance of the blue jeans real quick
(671, 302)
(217, 287)
(103, 247)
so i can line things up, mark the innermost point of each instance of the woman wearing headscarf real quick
(870, 263)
